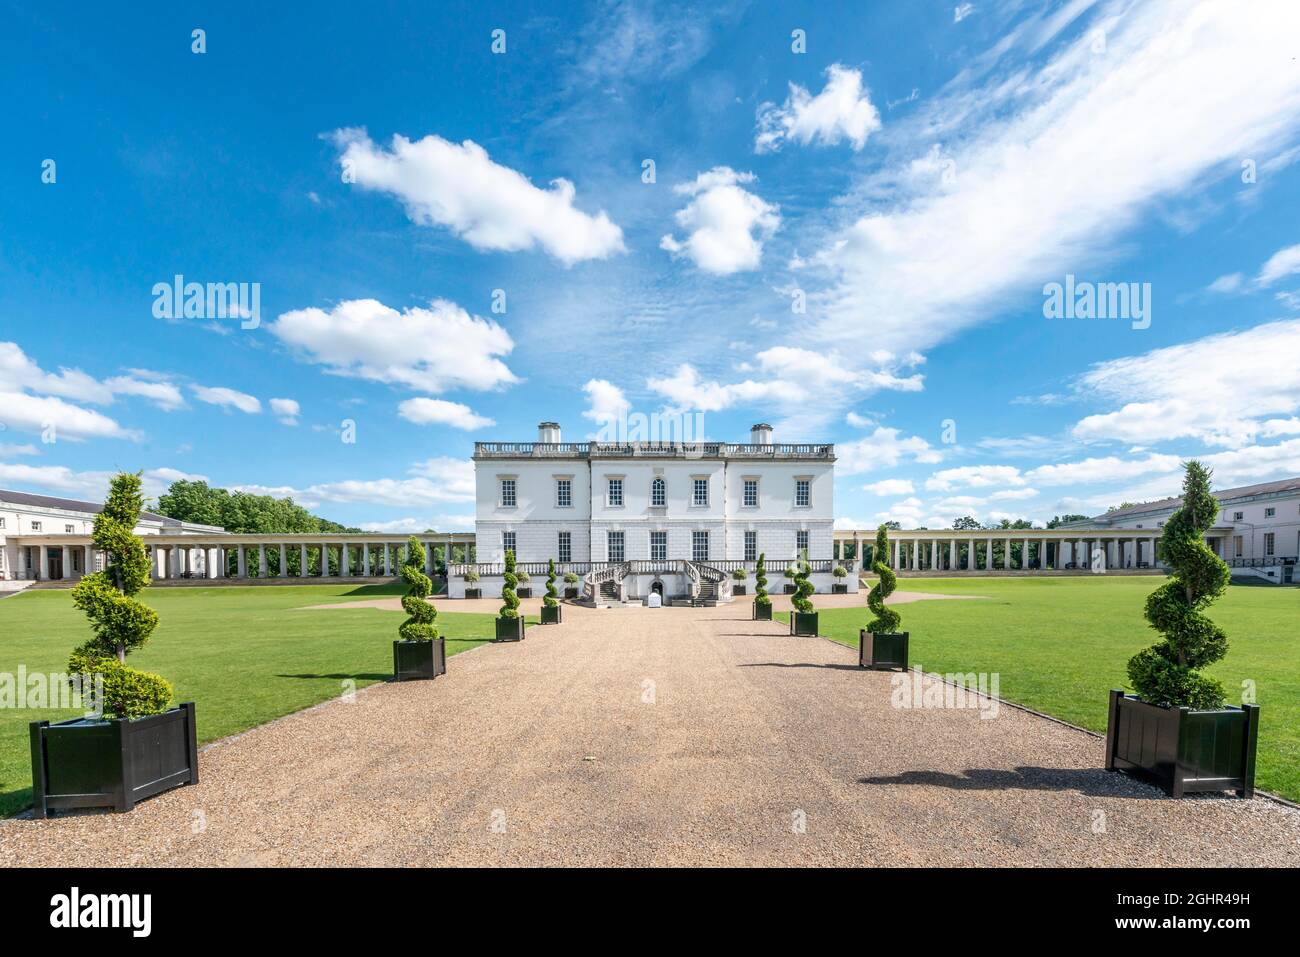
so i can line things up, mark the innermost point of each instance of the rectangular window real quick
(564, 493)
(2, 523)
(751, 493)
(508, 543)
(658, 546)
(701, 496)
(1238, 546)
(36, 526)
(1238, 516)
(614, 496)
(69, 528)
(801, 543)
(751, 546)
(802, 493)
(508, 498)
(564, 553)
(699, 546)
(1268, 543)
(616, 550)
(1270, 512)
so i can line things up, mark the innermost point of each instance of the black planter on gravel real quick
(839, 589)
(803, 623)
(473, 593)
(762, 611)
(524, 591)
(510, 629)
(1183, 750)
(571, 593)
(551, 614)
(112, 762)
(738, 589)
(882, 651)
(789, 589)
(416, 660)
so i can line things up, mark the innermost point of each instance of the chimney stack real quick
(760, 434)
(548, 432)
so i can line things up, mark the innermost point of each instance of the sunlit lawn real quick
(1060, 644)
(244, 655)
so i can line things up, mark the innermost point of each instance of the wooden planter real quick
(738, 590)
(551, 615)
(570, 593)
(419, 660)
(762, 611)
(1182, 750)
(524, 591)
(803, 623)
(473, 593)
(882, 651)
(839, 589)
(510, 629)
(790, 589)
(112, 762)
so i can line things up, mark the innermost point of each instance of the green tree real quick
(551, 594)
(886, 620)
(1059, 520)
(802, 586)
(965, 522)
(120, 622)
(1167, 672)
(508, 594)
(760, 580)
(419, 626)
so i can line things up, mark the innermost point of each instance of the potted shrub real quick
(419, 652)
(840, 587)
(471, 585)
(803, 620)
(739, 576)
(134, 746)
(510, 624)
(550, 607)
(762, 603)
(570, 585)
(1177, 732)
(881, 645)
(523, 589)
(791, 573)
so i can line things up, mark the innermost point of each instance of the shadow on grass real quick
(342, 676)
(1093, 782)
(801, 664)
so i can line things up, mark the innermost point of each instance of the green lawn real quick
(1059, 644)
(245, 655)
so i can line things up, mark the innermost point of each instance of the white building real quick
(671, 517)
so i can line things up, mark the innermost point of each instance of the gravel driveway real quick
(673, 736)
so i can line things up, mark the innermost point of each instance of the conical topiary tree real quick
(420, 626)
(802, 586)
(760, 581)
(120, 622)
(1166, 673)
(551, 594)
(886, 620)
(508, 595)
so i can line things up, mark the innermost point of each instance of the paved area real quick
(673, 736)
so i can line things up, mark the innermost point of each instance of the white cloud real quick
(442, 523)
(883, 448)
(605, 402)
(229, 398)
(491, 207)
(1227, 284)
(1283, 263)
(962, 11)
(890, 487)
(89, 486)
(685, 390)
(974, 476)
(40, 414)
(435, 349)
(1220, 389)
(431, 482)
(1105, 469)
(424, 411)
(1046, 171)
(841, 111)
(165, 395)
(287, 410)
(858, 421)
(726, 225)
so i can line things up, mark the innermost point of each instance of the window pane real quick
(700, 546)
(615, 540)
(565, 547)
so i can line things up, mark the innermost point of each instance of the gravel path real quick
(674, 736)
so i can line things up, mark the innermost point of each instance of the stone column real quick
(1151, 545)
(210, 562)
(895, 562)
(988, 555)
(67, 561)
(174, 553)
(261, 560)
(344, 564)
(1024, 554)
(283, 570)
(241, 563)
(388, 560)
(324, 560)
(88, 560)
(365, 559)
(302, 559)
(428, 558)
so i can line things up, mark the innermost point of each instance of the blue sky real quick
(915, 176)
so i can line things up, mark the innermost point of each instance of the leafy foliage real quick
(739, 575)
(121, 624)
(886, 620)
(802, 586)
(570, 578)
(1167, 672)
(508, 595)
(839, 571)
(760, 581)
(420, 626)
(551, 594)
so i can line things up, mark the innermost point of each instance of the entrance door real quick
(56, 564)
(658, 588)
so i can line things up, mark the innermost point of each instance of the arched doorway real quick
(657, 587)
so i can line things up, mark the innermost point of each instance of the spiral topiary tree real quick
(508, 595)
(1167, 672)
(760, 580)
(419, 626)
(802, 586)
(551, 593)
(886, 620)
(121, 623)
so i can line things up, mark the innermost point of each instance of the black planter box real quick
(510, 629)
(551, 615)
(883, 651)
(839, 589)
(803, 623)
(415, 660)
(738, 590)
(524, 591)
(112, 762)
(570, 593)
(473, 593)
(790, 589)
(1182, 750)
(762, 611)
